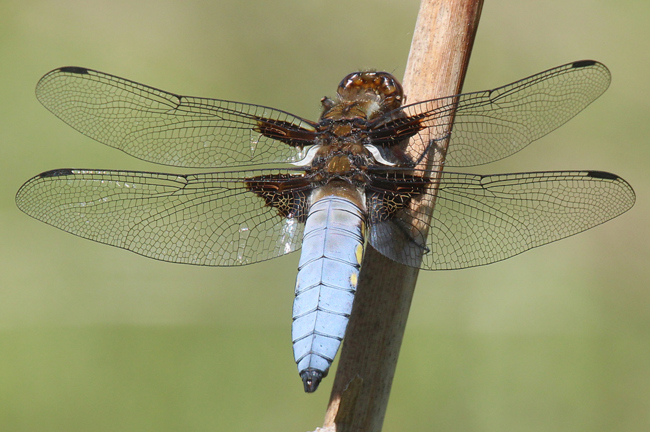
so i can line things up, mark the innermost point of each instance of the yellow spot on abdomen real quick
(354, 278)
(359, 253)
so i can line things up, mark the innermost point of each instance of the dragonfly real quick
(355, 177)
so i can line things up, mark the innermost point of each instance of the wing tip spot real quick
(583, 63)
(56, 173)
(74, 70)
(602, 175)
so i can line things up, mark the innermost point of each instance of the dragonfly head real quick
(364, 95)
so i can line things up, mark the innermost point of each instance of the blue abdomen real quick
(332, 251)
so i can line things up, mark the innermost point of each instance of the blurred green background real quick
(94, 338)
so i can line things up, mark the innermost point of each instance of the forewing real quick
(493, 124)
(169, 129)
(479, 220)
(203, 219)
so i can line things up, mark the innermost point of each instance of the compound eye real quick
(350, 80)
(381, 85)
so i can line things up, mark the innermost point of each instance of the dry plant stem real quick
(438, 59)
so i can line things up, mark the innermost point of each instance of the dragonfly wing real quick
(479, 220)
(494, 124)
(170, 129)
(202, 219)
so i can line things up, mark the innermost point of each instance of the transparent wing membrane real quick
(166, 128)
(479, 220)
(202, 219)
(213, 219)
(493, 124)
